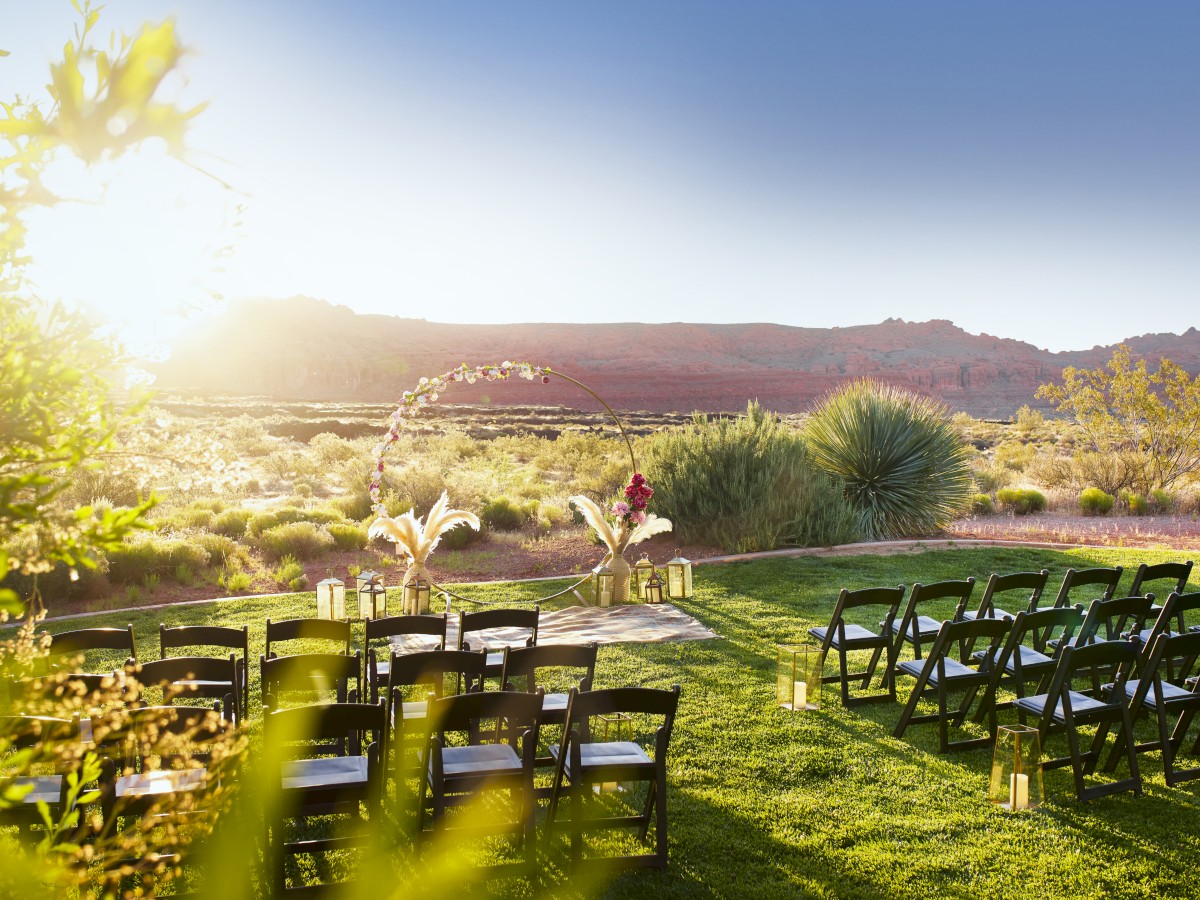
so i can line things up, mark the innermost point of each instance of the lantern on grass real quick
(416, 597)
(364, 579)
(799, 676)
(372, 600)
(331, 599)
(605, 581)
(654, 588)
(613, 727)
(679, 577)
(642, 570)
(1016, 781)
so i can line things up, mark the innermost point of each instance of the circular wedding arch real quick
(427, 392)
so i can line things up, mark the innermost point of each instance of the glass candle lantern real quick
(1016, 782)
(605, 581)
(642, 570)
(372, 601)
(612, 728)
(799, 676)
(679, 577)
(369, 577)
(331, 599)
(654, 588)
(416, 597)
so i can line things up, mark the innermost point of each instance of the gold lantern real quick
(642, 570)
(613, 727)
(372, 600)
(605, 581)
(416, 597)
(331, 599)
(654, 588)
(364, 579)
(799, 676)
(1016, 782)
(679, 577)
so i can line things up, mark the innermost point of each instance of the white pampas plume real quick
(594, 516)
(652, 526)
(418, 539)
(617, 540)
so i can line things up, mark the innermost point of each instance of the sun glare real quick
(136, 242)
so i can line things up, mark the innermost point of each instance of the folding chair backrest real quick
(163, 673)
(308, 673)
(331, 630)
(1176, 606)
(1120, 654)
(204, 636)
(1108, 578)
(134, 734)
(923, 594)
(74, 645)
(430, 668)
(1175, 572)
(1108, 619)
(1168, 647)
(1030, 583)
(994, 630)
(583, 706)
(887, 597)
(524, 662)
(472, 622)
(394, 626)
(324, 729)
(1040, 626)
(22, 731)
(468, 713)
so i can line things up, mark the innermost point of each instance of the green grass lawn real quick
(768, 803)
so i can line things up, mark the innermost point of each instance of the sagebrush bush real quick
(231, 523)
(1163, 500)
(303, 540)
(1137, 504)
(503, 514)
(151, 554)
(903, 462)
(745, 484)
(347, 536)
(1021, 501)
(982, 505)
(288, 569)
(355, 505)
(1095, 502)
(219, 547)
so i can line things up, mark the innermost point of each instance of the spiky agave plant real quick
(903, 462)
(416, 539)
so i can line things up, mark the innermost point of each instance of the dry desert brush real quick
(903, 462)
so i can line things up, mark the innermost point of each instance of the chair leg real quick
(943, 725)
(1076, 762)
(660, 808)
(577, 789)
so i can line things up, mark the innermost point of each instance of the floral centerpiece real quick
(631, 525)
(416, 539)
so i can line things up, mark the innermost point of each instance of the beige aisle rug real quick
(641, 623)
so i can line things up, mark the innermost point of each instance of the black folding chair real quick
(473, 623)
(940, 671)
(848, 637)
(583, 763)
(1030, 584)
(193, 637)
(334, 632)
(194, 677)
(68, 649)
(433, 628)
(917, 629)
(1070, 709)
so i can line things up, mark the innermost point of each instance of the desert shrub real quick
(322, 515)
(1015, 456)
(347, 536)
(1163, 499)
(235, 580)
(303, 540)
(461, 538)
(1021, 501)
(982, 505)
(1053, 472)
(990, 476)
(1028, 419)
(219, 546)
(303, 489)
(289, 568)
(903, 462)
(134, 560)
(1137, 504)
(299, 583)
(502, 514)
(1095, 502)
(231, 523)
(248, 437)
(196, 518)
(1111, 472)
(745, 483)
(416, 487)
(330, 450)
(355, 505)
(260, 522)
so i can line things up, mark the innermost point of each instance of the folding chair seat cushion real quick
(954, 669)
(324, 772)
(995, 613)
(554, 704)
(488, 760)
(1170, 692)
(926, 626)
(44, 788)
(412, 710)
(608, 754)
(1080, 703)
(853, 633)
(163, 782)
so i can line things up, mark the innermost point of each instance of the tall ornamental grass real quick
(745, 484)
(903, 462)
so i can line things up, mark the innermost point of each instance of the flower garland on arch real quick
(427, 391)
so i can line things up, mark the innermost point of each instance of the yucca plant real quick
(903, 462)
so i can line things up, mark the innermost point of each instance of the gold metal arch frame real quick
(429, 389)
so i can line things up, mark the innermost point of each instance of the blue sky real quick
(1025, 169)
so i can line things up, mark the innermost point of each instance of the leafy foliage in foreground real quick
(903, 462)
(745, 483)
